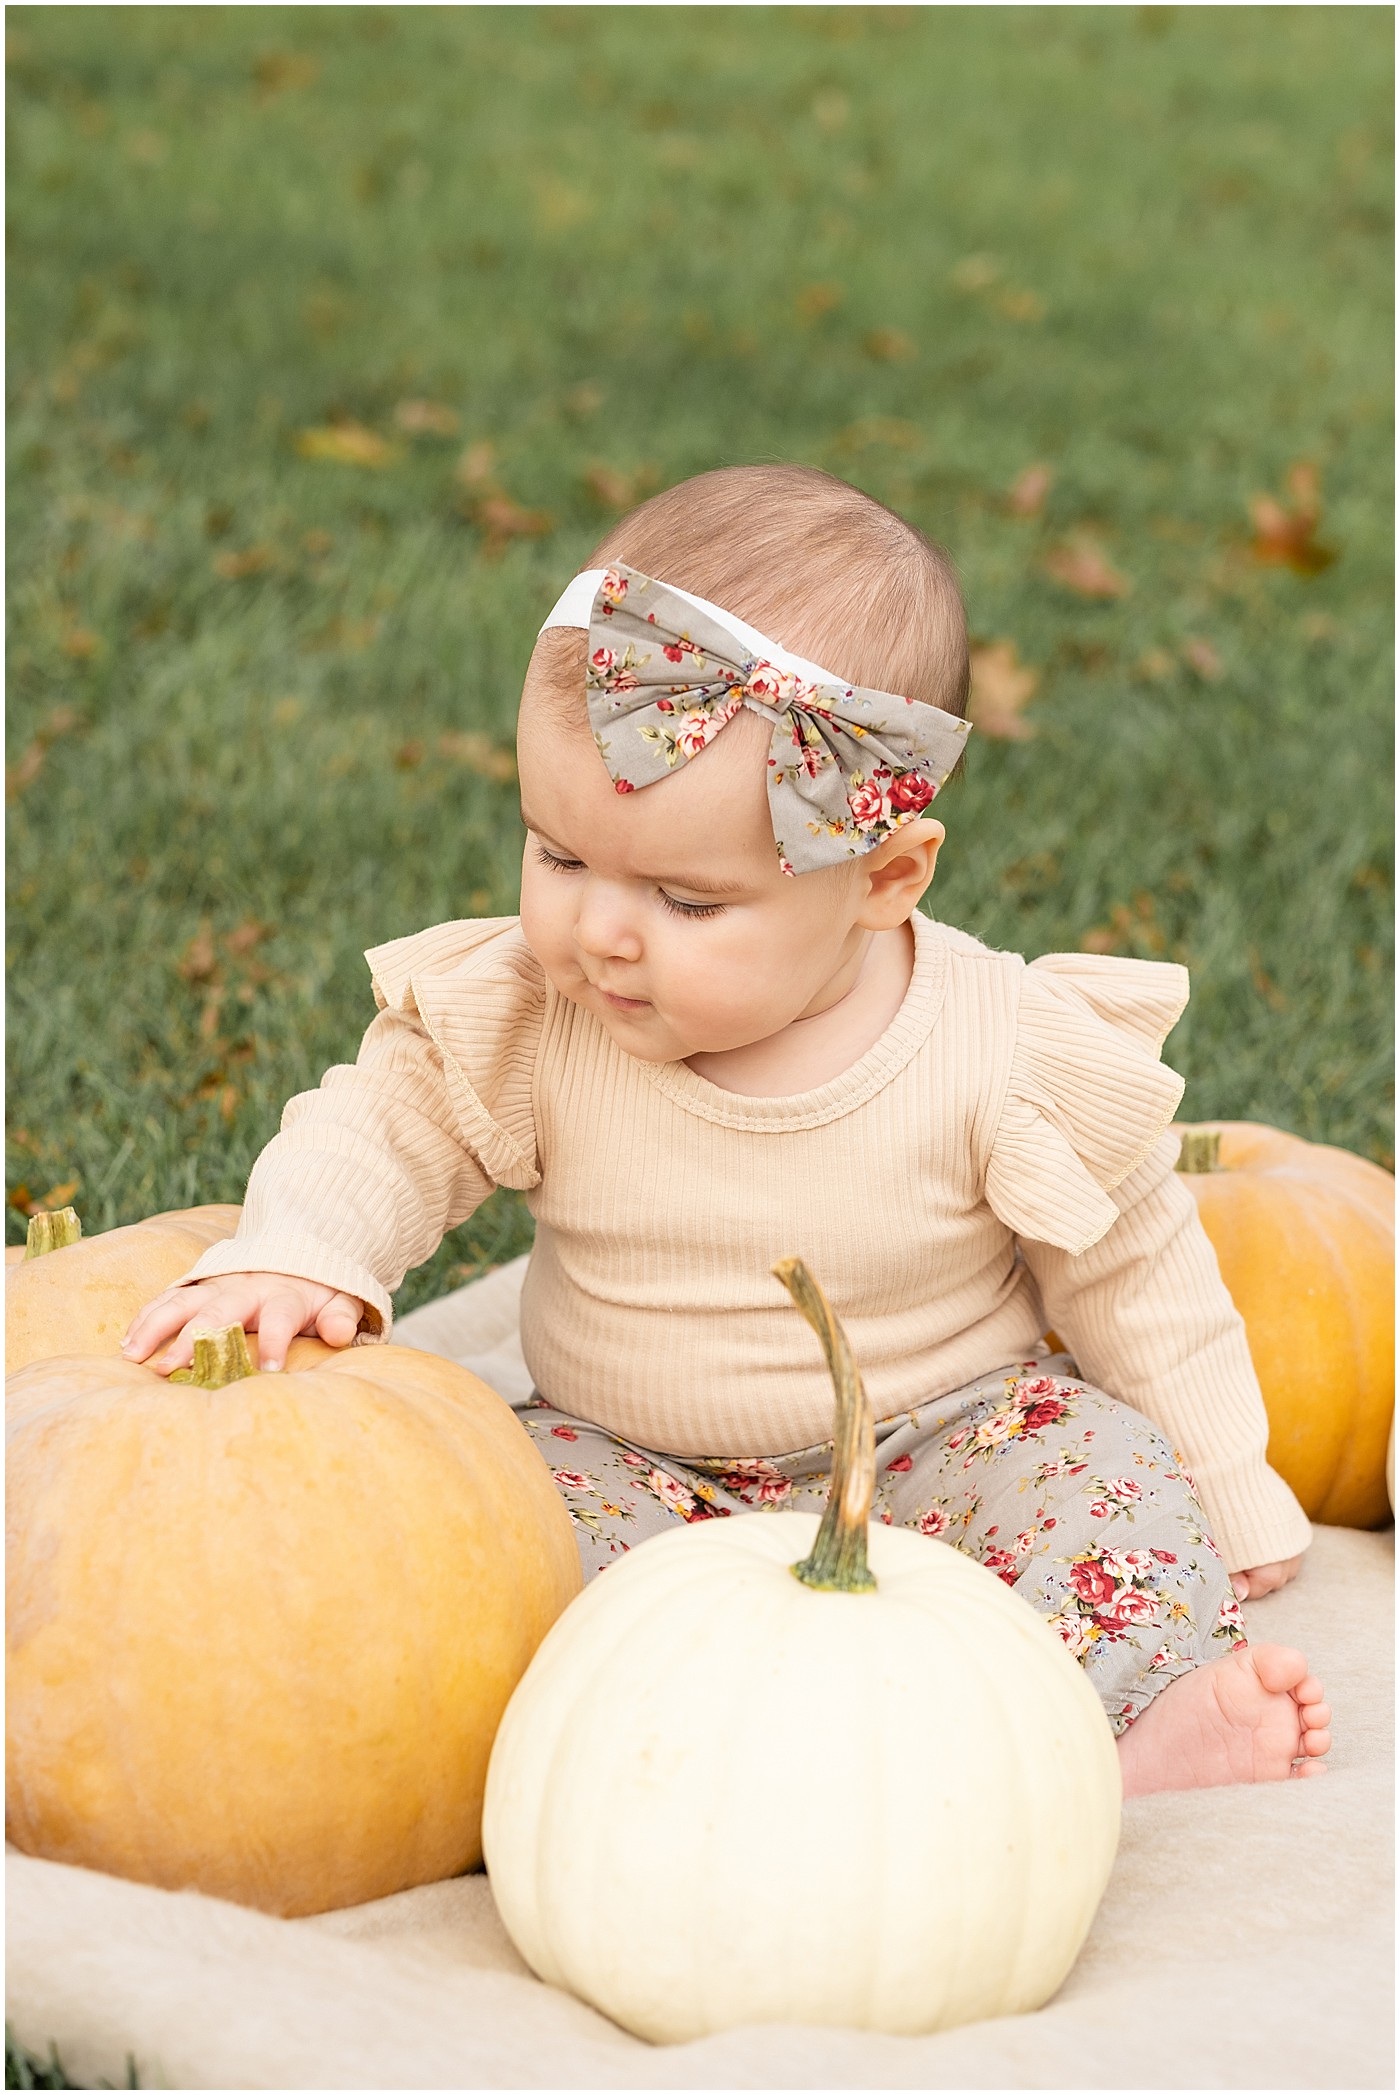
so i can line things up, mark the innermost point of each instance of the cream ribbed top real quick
(997, 1162)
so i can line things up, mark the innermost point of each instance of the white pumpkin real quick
(723, 1794)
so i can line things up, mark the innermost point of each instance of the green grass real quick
(25, 2069)
(1149, 247)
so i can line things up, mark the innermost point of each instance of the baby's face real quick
(664, 912)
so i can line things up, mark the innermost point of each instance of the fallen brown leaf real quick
(617, 489)
(274, 72)
(815, 299)
(347, 444)
(426, 418)
(499, 520)
(63, 720)
(1081, 565)
(1126, 927)
(199, 962)
(246, 935)
(1001, 686)
(475, 466)
(888, 345)
(409, 754)
(1264, 983)
(1020, 305)
(1027, 493)
(1287, 536)
(582, 400)
(975, 272)
(29, 1204)
(479, 753)
(1202, 657)
(236, 567)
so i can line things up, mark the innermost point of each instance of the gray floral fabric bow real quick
(846, 766)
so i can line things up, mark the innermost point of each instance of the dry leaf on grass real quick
(1126, 927)
(888, 345)
(499, 520)
(479, 753)
(1287, 536)
(476, 464)
(237, 567)
(274, 72)
(426, 418)
(63, 720)
(43, 1203)
(1080, 564)
(616, 488)
(1199, 655)
(1027, 492)
(346, 444)
(815, 299)
(1001, 686)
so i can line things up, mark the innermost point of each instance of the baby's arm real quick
(1148, 1318)
(368, 1174)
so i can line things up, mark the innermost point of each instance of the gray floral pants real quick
(1078, 1503)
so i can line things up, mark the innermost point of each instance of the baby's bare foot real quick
(1255, 1715)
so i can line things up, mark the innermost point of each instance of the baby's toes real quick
(1316, 1741)
(1308, 1767)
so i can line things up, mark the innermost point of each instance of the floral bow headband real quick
(668, 670)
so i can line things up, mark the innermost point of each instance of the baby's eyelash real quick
(689, 909)
(693, 910)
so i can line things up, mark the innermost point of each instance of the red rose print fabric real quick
(666, 673)
(1075, 1501)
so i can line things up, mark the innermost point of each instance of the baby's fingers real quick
(158, 1321)
(284, 1313)
(339, 1320)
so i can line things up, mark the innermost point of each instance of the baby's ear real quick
(898, 871)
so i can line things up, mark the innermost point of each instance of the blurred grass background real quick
(338, 335)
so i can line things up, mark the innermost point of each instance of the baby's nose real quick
(605, 927)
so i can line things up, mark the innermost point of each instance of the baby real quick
(721, 1031)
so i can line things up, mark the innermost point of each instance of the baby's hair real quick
(809, 560)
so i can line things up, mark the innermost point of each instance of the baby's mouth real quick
(624, 1003)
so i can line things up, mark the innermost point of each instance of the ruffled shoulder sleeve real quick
(480, 993)
(1087, 1095)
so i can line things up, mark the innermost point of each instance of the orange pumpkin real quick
(260, 1636)
(1305, 1237)
(81, 1296)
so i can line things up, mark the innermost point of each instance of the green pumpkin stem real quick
(51, 1232)
(1200, 1150)
(837, 1563)
(219, 1357)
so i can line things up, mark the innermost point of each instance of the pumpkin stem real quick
(837, 1563)
(1200, 1150)
(53, 1231)
(219, 1357)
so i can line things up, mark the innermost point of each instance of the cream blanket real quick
(1245, 1940)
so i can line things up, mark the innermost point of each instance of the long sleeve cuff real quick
(1253, 1515)
(301, 1257)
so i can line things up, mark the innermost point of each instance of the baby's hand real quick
(275, 1305)
(1264, 1578)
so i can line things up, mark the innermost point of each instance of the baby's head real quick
(664, 911)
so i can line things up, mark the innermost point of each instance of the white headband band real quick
(576, 604)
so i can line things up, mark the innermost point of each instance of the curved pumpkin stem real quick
(1200, 1150)
(52, 1231)
(837, 1563)
(219, 1357)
